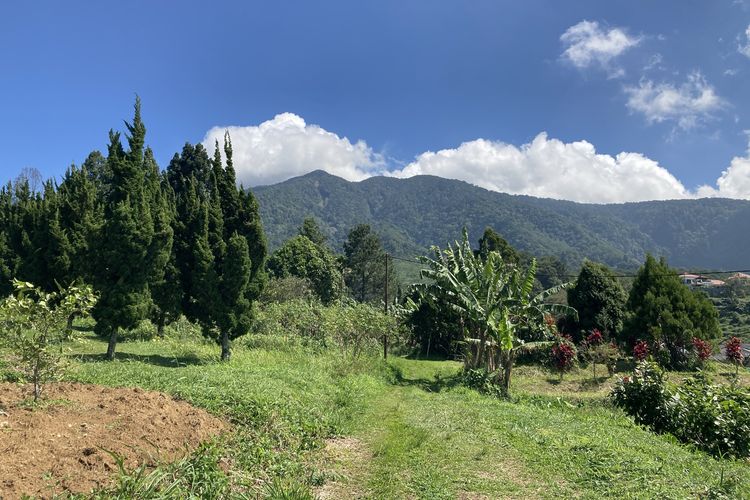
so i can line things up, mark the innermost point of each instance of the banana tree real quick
(494, 300)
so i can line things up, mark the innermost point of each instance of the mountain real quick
(412, 214)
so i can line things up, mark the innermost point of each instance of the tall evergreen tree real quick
(365, 263)
(311, 230)
(599, 299)
(219, 244)
(124, 243)
(664, 310)
(491, 241)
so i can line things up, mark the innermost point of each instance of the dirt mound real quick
(61, 446)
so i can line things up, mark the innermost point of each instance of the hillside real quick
(412, 214)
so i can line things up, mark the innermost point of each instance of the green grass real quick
(413, 431)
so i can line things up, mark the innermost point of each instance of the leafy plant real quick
(644, 396)
(702, 350)
(34, 327)
(733, 350)
(640, 350)
(493, 301)
(563, 354)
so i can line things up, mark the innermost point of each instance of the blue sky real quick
(638, 100)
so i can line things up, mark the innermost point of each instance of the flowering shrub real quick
(733, 349)
(595, 338)
(641, 350)
(702, 350)
(563, 354)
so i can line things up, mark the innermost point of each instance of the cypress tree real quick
(219, 244)
(124, 243)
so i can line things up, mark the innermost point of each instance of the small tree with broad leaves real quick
(733, 349)
(33, 326)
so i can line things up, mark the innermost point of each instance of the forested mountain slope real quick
(412, 214)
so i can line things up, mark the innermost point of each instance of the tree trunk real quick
(507, 368)
(112, 345)
(35, 379)
(160, 325)
(69, 325)
(225, 351)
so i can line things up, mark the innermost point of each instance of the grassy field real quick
(312, 424)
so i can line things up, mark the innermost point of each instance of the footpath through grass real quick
(321, 424)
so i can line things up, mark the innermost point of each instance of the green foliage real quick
(491, 241)
(691, 233)
(644, 396)
(219, 247)
(599, 299)
(365, 266)
(302, 258)
(663, 310)
(715, 418)
(493, 300)
(355, 328)
(33, 328)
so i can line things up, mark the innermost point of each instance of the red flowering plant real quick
(563, 354)
(733, 350)
(595, 338)
(702, 350)
(640, 350)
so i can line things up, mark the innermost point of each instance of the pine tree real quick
(219, 244)
(599, 299)
(664, 310)
(124, 243)
(311, 230)
(365, 261)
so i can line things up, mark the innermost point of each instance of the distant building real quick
(697, 280)
(740, 277)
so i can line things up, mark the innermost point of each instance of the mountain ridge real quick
(413, 213)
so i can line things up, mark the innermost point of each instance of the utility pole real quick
(385, 288)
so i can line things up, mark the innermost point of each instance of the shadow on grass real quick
(151, 359)
(436, 384)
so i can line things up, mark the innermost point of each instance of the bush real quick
(34, 327)
(714, 418)
(644, 396)
(733, 350)
(352, 326)
(563, 354)
(535, 353)
(641, 350)
(702, 350)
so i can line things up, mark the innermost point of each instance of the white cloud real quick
(734, 181)
(744, 46)
(551, 168)
(688, 105)
(587, 44)
(286, 147)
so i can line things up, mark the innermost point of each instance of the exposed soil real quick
(343, 459)
(60, 445)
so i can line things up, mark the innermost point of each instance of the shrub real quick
(640, 350)
(352, 326)
(563, 354)
(595, 338)
(733, 350)
(702, 350)
(715, 418)
(34, 327)
(644, 396)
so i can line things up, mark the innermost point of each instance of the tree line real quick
(154, 244)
